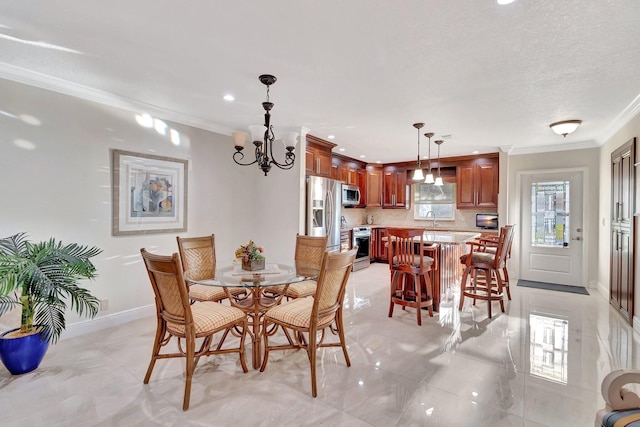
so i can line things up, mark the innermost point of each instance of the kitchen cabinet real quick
(622, 272)
(477, 183)
(394, 192)
(318, 158)
(378, 246)
(373, 192)
(351, 172)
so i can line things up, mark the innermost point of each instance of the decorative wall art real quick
(149, 194)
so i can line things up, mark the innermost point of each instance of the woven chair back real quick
(309, 253)
(332, 284)
(169, 287)
(198, 256)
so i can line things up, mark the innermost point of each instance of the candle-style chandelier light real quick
(263, 138)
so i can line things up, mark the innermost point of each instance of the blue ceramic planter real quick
(23, 354)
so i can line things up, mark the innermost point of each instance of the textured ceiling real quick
(493, 77)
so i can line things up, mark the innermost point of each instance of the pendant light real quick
(429, 179)
(439, 178)
(417, 174)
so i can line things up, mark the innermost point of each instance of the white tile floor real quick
(457, 369)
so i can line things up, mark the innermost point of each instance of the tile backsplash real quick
(465, 219)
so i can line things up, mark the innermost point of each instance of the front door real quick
(552, 238)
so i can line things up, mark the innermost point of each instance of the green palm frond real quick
(48, 272)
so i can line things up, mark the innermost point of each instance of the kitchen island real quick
(445, 247)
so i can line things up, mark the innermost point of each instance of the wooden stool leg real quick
(463, 285)
(394, 286)
(428, 284)
(418, 293)
(488, 278)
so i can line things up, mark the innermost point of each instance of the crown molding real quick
(553, 148)
(621, 120)
(65, 87)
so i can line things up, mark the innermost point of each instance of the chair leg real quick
(343, 343)
(311, 350)
(243, 362)
(505, 281)
(157, 343)
(418, 291)
(265, 356)
(191, 365)
(463, 285)
(394, 284)
(488, 278)
(428, 284)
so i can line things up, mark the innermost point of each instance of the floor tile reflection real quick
(539, 364)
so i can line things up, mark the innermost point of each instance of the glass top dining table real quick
(263, 289)
(272, 275)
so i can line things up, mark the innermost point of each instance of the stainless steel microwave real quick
(350, 195)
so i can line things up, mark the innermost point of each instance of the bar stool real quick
(491, 288)
(410, 282)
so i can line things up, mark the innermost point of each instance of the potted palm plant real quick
(43, 279)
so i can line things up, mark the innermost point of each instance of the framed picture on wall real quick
(149, 193)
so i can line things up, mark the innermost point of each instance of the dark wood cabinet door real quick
(324, 164)
(389, 189)
(374, 188)
(382, 252)
(625, 208)
(362, 185)
(310, 161)
(465, 182)
(626, 273)
(401, 189)
(487, 185)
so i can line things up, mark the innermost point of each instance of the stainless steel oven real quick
(362, 238)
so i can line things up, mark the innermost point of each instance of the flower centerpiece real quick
(251, 256)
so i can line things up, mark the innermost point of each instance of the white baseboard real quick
(108, 321)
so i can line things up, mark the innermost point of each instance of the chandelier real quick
(263, 138)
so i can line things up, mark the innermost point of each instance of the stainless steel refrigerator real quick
(324, 209)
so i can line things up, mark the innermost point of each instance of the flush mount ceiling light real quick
(263, 138)
(417, 175)
(565, 127)
(429, 179)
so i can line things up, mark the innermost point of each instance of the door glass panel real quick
(550, 214)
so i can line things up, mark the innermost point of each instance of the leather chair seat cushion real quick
(478, 258)
(426, 261)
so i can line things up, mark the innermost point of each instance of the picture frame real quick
(149, 193)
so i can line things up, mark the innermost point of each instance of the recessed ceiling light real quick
(340, 149)
(362, 156)
(503, 2)
(378, 161)
(331, 136)
(475, 152)
(229, 97)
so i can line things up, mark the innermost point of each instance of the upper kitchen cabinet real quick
(477, 182)
(318, 156)
(395, 190)
(351, 172)
(374, 187)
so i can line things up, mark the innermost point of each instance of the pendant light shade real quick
(417, 174)
(438, 180)
(429, 178)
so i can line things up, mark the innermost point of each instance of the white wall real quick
(62, 188)
(588, 159)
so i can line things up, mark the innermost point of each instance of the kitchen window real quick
(440, 200)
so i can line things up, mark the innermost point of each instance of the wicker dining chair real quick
(308, 260)
(198, 257)
(177, 317)
(313, 315)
